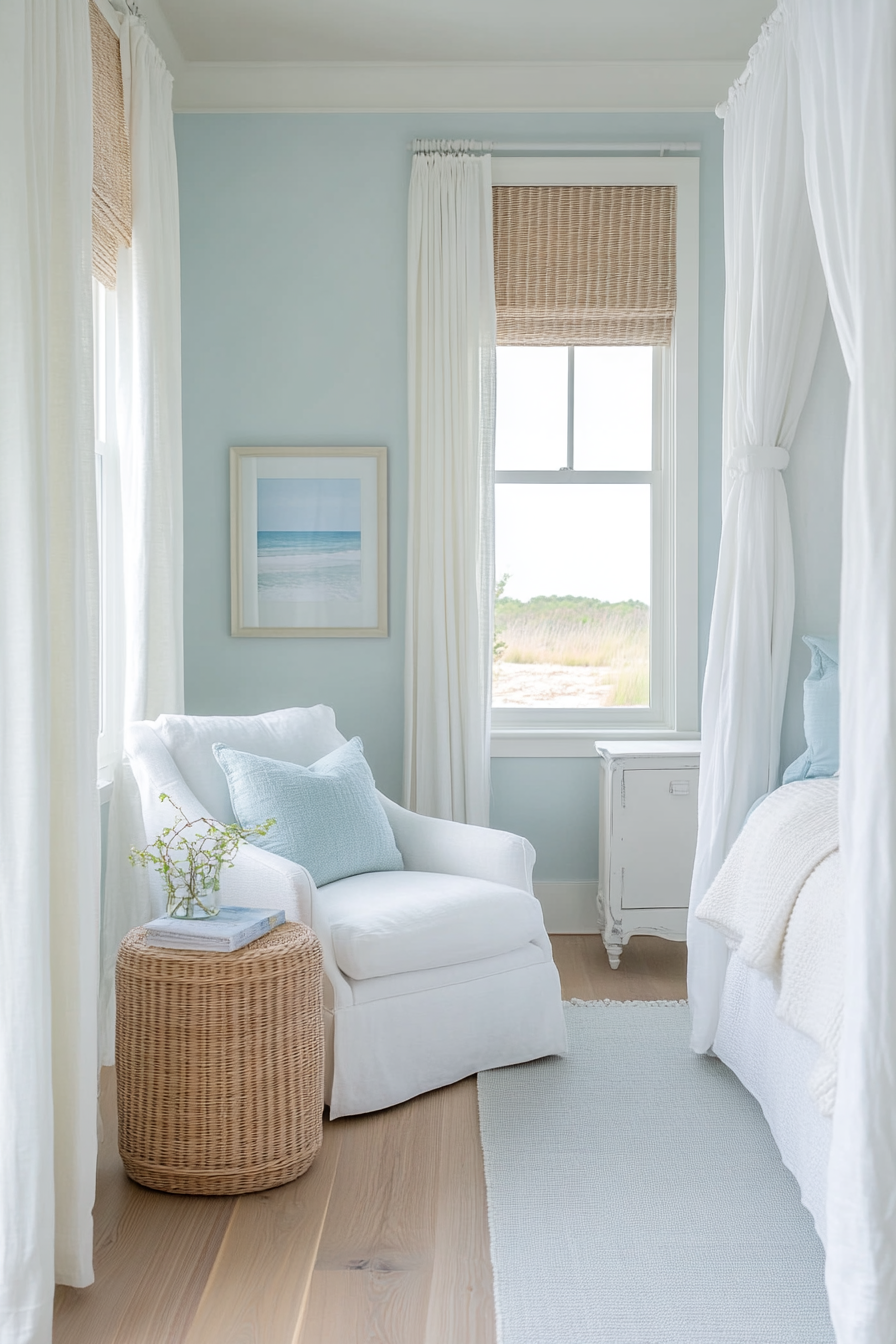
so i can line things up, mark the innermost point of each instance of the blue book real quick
(233, 927)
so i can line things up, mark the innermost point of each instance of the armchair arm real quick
(261, 879)
(430, 845)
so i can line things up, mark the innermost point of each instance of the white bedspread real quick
(778, 900)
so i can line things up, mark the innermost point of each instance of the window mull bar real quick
(660, 147)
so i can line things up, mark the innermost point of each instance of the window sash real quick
(661, 656)
(571, 476)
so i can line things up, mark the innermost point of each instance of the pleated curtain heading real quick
(111, 152)
(585, 265)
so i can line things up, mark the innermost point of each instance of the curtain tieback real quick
(756, 457)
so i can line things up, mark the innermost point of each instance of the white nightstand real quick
(648, 834)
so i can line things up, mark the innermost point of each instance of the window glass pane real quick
(572, 611)
(613, 419)
(531, 412)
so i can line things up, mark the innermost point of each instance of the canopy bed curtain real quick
(837, 64)
(451, 419)
(149, 431)
(49, 814)
(774, 308)
(846, 55)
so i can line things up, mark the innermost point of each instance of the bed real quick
(777, 900)
(774, 1062)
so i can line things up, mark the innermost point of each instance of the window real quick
(576, 471)
(595, 497)
(108, 514)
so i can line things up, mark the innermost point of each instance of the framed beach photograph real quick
(308, 539)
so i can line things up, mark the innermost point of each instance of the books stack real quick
(233, 927)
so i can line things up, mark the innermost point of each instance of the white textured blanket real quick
(778, 901)
(812, 971)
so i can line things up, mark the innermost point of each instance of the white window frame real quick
(674, 709)
(109, 537)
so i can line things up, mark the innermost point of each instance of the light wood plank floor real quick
(385, 1238)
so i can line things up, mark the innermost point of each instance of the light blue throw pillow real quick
(329, 818)
(821, 714)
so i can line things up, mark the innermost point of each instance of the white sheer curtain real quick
(775, 303)
(847, 61)
(149, 431)
(451, 413)
(49, 816)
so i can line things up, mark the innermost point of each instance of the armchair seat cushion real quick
(391, 923)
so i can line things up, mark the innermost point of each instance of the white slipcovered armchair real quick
(431, 973)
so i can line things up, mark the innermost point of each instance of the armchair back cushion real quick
(328, 816)
(301, 736)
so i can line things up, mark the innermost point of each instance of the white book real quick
(233, 927)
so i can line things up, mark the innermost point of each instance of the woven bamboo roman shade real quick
(584, 265)
(111, 152)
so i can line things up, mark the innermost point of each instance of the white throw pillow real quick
(299, 735)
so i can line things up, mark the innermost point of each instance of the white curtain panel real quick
(451, 412)
(774, 308)
(847, 60)
(149, 431)
(49, 815)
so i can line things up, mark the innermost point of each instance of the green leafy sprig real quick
(191, 864)
(499, 645)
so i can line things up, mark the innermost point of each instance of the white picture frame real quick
(308, 543)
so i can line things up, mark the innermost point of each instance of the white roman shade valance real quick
(585, 265)
(111, 152)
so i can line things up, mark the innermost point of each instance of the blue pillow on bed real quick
(329, 818)
(821, 714)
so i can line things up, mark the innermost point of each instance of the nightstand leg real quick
(614, 953)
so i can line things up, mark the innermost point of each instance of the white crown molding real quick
(549, 86)
(435, 86)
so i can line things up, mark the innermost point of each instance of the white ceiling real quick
(465, 30)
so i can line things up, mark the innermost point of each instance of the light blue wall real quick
(293, 249)
(554, 803)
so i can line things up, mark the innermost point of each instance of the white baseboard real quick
(569, 907)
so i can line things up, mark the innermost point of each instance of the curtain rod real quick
(660, 147)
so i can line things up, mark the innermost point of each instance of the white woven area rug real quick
(636, 1196)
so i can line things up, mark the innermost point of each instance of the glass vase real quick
(186, 904)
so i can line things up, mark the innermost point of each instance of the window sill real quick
(551, 742)
(104, 786)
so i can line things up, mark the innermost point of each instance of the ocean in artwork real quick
(309, 566)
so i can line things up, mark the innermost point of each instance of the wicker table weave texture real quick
(219, 1060)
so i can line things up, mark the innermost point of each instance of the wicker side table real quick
(220, 1063)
